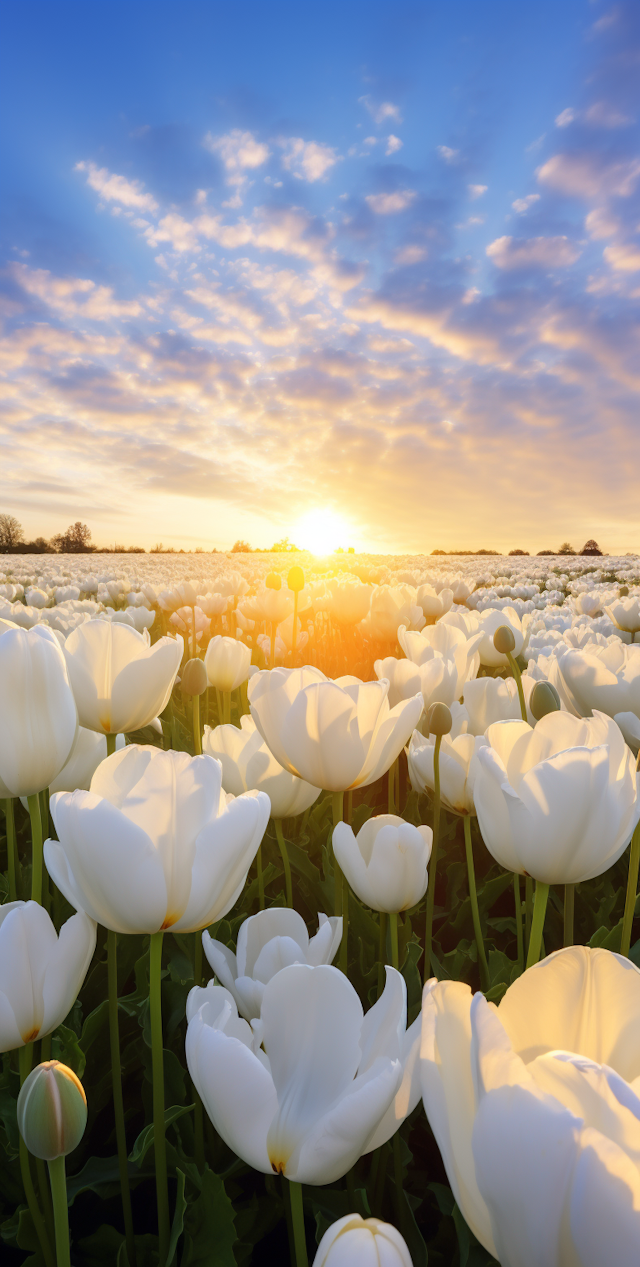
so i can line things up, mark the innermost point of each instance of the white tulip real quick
(534, 1105)
(357, 1242)
(330, 1084)
(334, 734)
(38, 716)
(488, 622)
(248, 763)
(457, 768)
(625, 613)
(268, 942)
(227, 662)
(89, 749)
(558, 802)
(120, 682)
(155, 843)
(386, 863)
(41, 971)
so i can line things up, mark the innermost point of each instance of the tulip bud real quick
(194, 680)
(295, 579)
(503, 640)
(624, 591)
(439, 719)
(52, 1111)
(544, 699)
(273, 581)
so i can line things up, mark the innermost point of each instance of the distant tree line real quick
(590, 547)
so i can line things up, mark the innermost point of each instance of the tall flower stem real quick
(382, 951)
(36, 848)
(632, 886)
(475, 912)
(528, 908)
(157, 1068)
(518, 676)
(393, 933)
(537, 923)
(58, 1180)
(569, 901)
(12, 849)
(297, 1219)
(198, 1117)
(431, 891)
(391, 784)
(118, 1103)
(25, 1058)
(111, 744)
(294, 627)
(282, 845)
(197, 729)
(226, 707)
(518, 906)
(341, 890)
(260, 879)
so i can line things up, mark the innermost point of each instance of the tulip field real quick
(318, 935)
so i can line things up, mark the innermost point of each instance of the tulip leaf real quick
(145, 1138)
(209, 1227)
(178, 1217)
(65, 1046)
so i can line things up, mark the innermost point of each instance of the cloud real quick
(174, 229)
(521, 205)
(381, 110)
(603, 115)
(623, 257)
(74, 296)
(410, 255)
(476, 191)
(586, 176)
(308, 160)
(448, 154)
(393, 144)
(240, 152)
(517, 253)
(114, 188)
(388, 204)
(565, 118)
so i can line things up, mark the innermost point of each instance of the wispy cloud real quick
(380, 111)
(308, 160)
(114, 188)
(518, 253)
(389, 204)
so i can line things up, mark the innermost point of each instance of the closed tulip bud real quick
(194, 680)
(624, 591)
(544, 699)
(439, 719)
(295, 579)
(273, 581)
(52, 1111)
(368, 1242)
(503, 640)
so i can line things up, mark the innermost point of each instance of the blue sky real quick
(378, 259)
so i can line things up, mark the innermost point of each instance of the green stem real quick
(12, 851)
(285, 860)
(382, 952)
(518, 906)
(297, 1219)
(45, 1198)
(632, 886)
(294, 631)
(337, 805)
(475, 912)
(118, 1102)
(260, 879)
(518, 676)
(393, 932)
(226, 707)
(36, 848)
(197, 729)
(58, 1181)
(391, 783)
(25, 1057)
(528, 908)
(111, 744)
(344, 963)
(397, 1169)
(433, 862)
(537, 924)
(157, 1067)
(569, 900)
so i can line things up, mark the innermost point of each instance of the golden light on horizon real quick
(321, 531)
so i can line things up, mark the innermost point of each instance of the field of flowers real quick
(318, 887)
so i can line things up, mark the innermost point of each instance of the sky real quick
(373, 265)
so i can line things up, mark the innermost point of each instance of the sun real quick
(321, 531)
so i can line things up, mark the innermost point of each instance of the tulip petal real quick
(236, 1090)
(605, 1204)
(66, 968)
(332, 1145)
